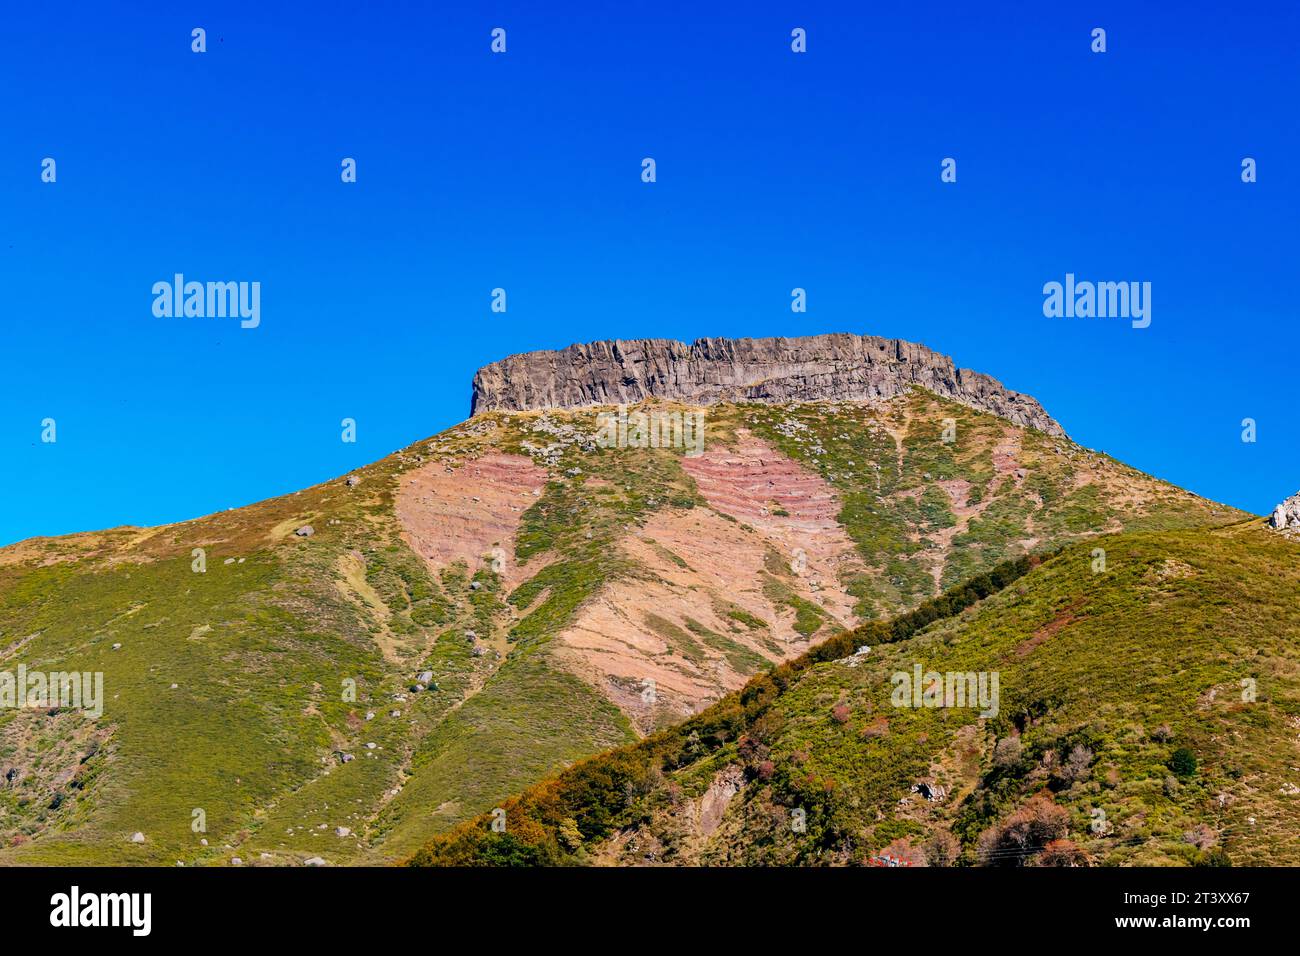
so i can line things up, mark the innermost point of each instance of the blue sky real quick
(522, 171)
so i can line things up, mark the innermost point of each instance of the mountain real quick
(346, 672)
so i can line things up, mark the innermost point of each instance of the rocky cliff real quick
(840, 367)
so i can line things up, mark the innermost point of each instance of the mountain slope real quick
(1185, 642)
(487, 607)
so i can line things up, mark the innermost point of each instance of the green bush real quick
(1183, 763)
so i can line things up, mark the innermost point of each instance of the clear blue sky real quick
(522, 170)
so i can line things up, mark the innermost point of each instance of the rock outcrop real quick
(839, 367)
(1286, 516)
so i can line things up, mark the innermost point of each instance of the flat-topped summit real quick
(836, 367)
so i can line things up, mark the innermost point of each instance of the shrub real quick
(1201, 837)
(1213, 857)
(1007, 753)
(1183, 763)
(942, 849)
(1075, 768)
(1061, 853)
(1023, 834)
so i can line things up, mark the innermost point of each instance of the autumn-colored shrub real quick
(942, 849)
(1061, 853)
(1024, 833)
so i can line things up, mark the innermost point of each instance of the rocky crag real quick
(1286, 516)
(838, 367)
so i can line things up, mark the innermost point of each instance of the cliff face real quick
(840, 367)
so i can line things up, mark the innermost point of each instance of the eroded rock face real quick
(840, 367)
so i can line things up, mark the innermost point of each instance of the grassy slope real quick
(1129, 664)
(259, 647)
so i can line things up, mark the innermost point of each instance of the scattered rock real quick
(306, 531)
(137, 837)
(313, 861)
(342, 832)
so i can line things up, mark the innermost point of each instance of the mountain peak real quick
(833, 367)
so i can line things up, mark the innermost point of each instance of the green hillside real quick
(1148, 714)
(262, 702)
